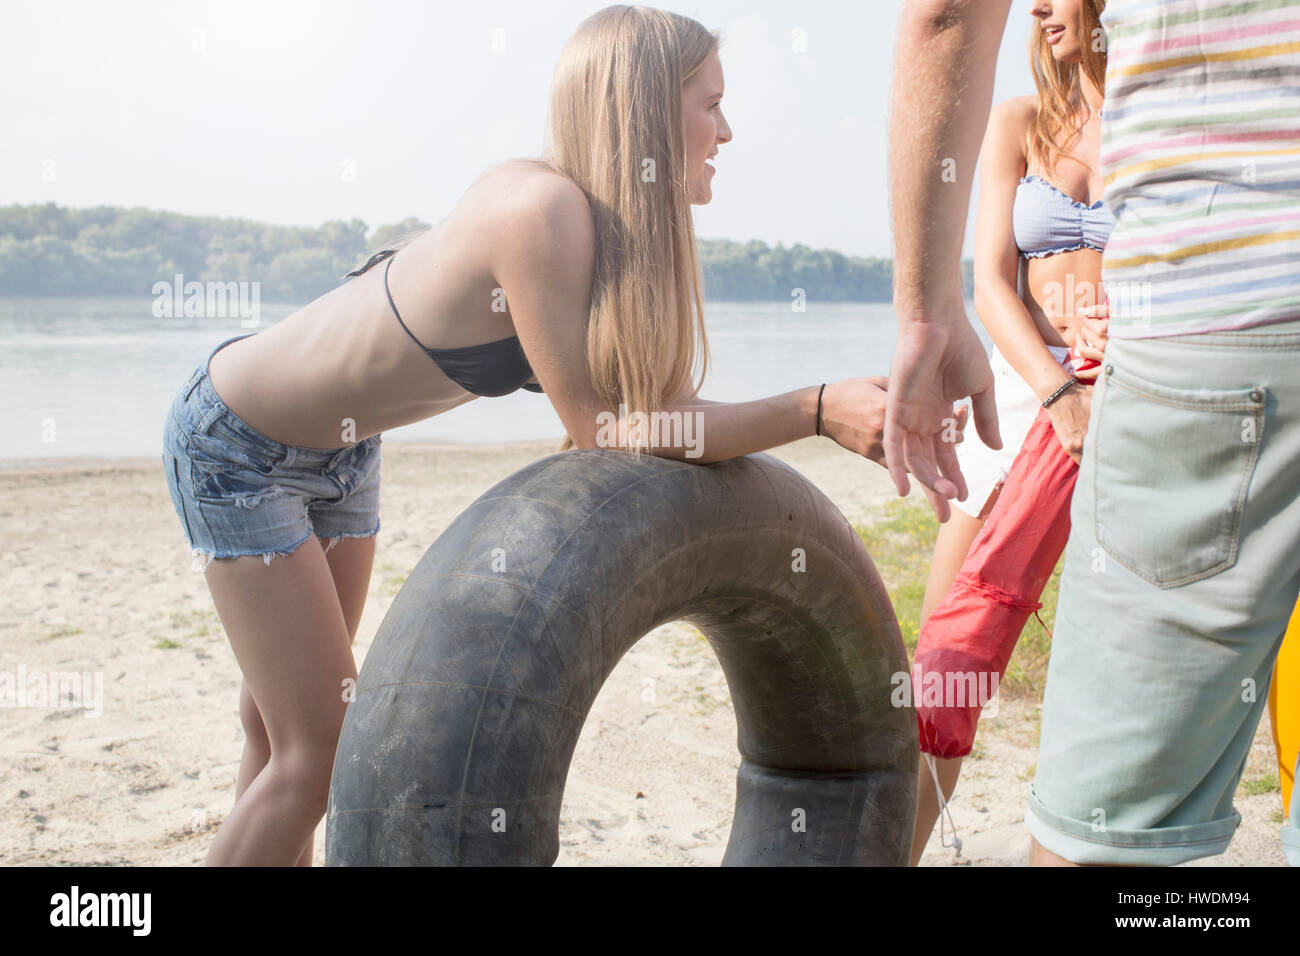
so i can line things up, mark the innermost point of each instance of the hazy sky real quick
(296, 112)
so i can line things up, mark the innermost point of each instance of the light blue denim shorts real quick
(1181, 572)
(238, 492)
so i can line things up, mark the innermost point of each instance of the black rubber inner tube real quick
(469, 705)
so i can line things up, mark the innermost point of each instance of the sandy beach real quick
(96, 578)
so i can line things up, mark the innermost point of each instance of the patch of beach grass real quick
(1254, 786)
(901, 543)
(54, 633)
(197, 620)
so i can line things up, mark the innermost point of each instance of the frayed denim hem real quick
(331, 541)
(201, 559)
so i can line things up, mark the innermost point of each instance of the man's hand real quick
(853, 416)
(934, 366)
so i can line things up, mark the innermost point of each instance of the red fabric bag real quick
(975, 629)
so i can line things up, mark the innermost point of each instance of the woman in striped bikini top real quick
(1047, 222)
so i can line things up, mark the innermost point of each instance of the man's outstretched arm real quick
(943, 88)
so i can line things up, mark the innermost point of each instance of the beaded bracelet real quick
(1059, 392)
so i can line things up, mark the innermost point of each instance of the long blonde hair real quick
(614, 127)
(1055, 126)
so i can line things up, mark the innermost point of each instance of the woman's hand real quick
(1069, 415)
(1092, 336)
(853, 415)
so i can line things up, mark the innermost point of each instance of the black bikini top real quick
(492, 369)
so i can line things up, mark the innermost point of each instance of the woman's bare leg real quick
(927, 801)
(350, 562)
(257, 748)
(950, 550)
(956, 535)
(290, 638)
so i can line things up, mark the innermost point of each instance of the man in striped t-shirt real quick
(1201, 160)
(1183, 563)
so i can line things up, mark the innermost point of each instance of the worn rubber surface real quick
(473, 694)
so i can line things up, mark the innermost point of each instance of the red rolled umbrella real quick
(964, 646)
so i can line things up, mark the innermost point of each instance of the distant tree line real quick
(109, 250)
(756, 272)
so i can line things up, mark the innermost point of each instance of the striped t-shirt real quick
(1200, 153)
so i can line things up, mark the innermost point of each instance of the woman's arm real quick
(997, 267)
(997, 258)
(544, 264)
(852, 415)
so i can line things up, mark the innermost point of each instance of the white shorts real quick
(1017, 406)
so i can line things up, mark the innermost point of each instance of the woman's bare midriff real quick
(341, 368)
(1054, 289)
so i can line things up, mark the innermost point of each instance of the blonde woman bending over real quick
(272, 447)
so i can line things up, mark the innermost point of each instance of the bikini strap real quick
(389, 293)
(377, 257)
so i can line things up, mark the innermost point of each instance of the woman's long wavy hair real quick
(614, 128)
(1055, 127)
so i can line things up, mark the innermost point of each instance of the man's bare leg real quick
(1041, 856)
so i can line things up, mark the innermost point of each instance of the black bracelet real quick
(819, 409)
(1059, 392)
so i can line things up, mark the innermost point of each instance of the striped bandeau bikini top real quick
(1047, 221)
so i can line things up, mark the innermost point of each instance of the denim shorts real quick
(1181, 572)
(237, 492)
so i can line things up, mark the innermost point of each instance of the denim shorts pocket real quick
(214, 460)
(359, 466)
(237, 433)
(1172, 467)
